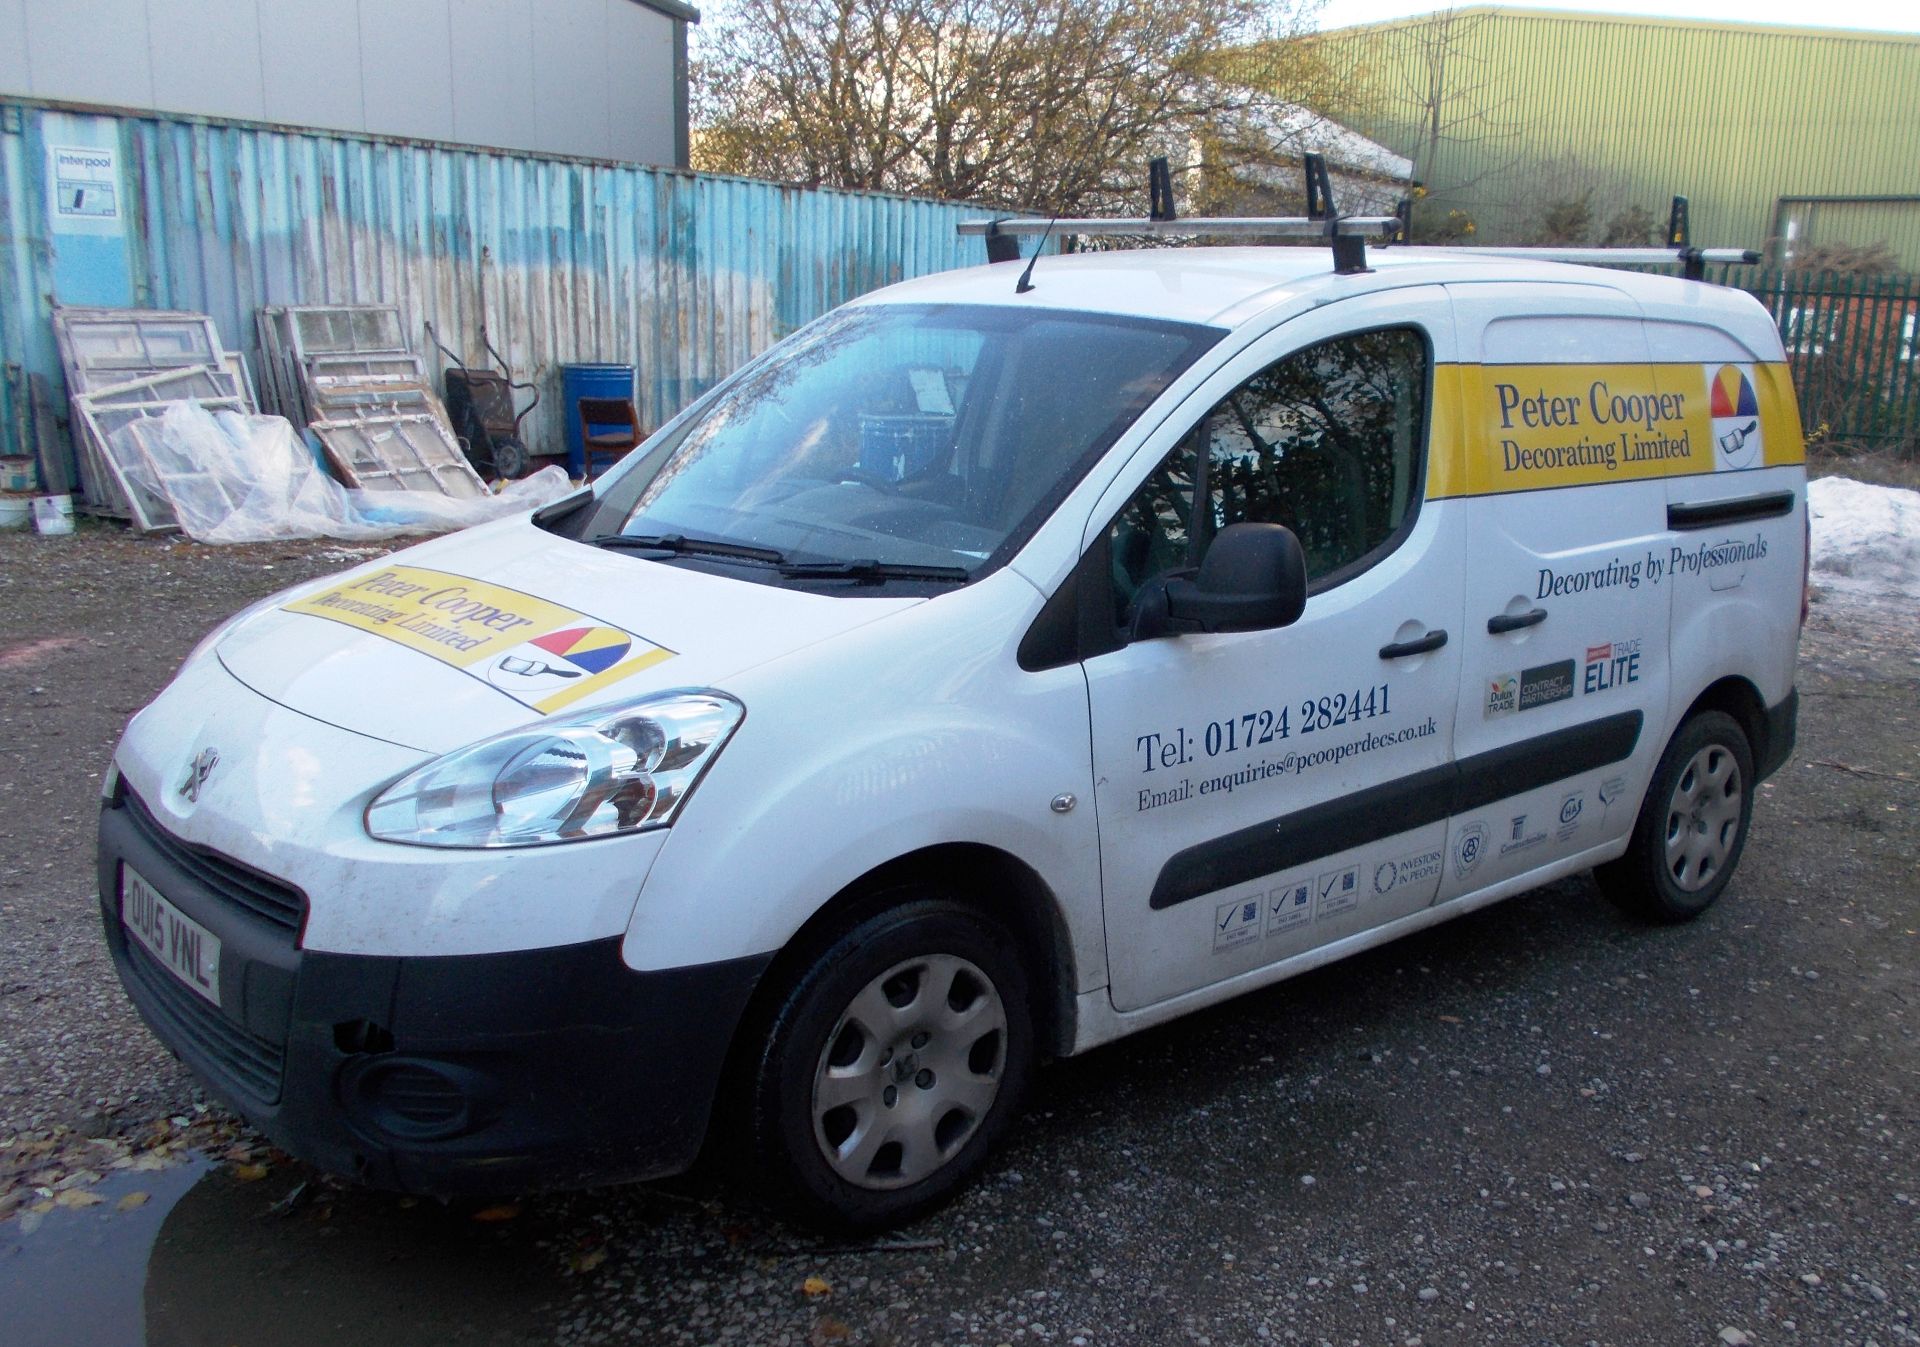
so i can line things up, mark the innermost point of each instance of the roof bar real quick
(1280, 226)
(1655, 257)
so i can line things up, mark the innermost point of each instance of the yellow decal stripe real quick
(487, 631)
(1780, 414)
(644, 659)
(456, 620)
(1504, 428)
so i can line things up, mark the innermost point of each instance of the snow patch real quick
(1866, 539)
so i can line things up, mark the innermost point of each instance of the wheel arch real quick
(995, 882)
(1739, 698)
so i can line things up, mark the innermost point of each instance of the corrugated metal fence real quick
(683, 275)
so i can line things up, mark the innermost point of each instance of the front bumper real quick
(452, 1074)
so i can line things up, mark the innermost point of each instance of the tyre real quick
(891, 1066)
(1692, 825)
(509, 458)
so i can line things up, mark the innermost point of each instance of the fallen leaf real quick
(815, 1286)
(131, 1200)
(829, 1330)
(78, 1197)
(30, 1221)
(41, 1208)
(1451, 1019)
(249, 1173)
(506, 1211)
(588, 1261)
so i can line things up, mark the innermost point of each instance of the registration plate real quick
(184, 947)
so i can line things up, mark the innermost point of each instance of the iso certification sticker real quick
(1236, 923)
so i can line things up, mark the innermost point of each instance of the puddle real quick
(210, 1261)
(80, 1276)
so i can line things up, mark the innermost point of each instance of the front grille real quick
(249, 1062)
(227, 880)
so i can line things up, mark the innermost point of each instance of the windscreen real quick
(893, 436)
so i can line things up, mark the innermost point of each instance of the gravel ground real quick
(1539, 1123)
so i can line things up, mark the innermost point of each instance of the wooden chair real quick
(609, 430)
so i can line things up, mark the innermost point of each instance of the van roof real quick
(1223, 287)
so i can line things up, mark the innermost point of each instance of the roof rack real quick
(1348, 235)
(1679, 250)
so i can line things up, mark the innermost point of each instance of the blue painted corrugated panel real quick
(684, 276)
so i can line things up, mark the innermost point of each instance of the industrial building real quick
(600, 79)
(1782, 138)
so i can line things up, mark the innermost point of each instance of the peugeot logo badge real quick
(197, 773)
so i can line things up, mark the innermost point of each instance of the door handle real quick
(1503, 623)
(1419, 645)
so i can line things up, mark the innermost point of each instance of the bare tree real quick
(1429, 87)
(1027, 104)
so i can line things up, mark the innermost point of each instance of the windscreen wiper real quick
(871, 572)
(678, 544)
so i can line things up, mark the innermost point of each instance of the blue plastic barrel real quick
(588, 381)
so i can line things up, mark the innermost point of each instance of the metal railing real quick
(1853, 343)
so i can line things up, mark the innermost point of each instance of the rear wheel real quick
(892, 1065)
(1692, 825)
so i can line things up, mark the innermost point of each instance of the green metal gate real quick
(1853, 343)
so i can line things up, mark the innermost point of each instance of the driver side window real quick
(1328, 441)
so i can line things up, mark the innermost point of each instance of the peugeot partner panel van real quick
(978, 675)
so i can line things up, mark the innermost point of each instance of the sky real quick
(1894, 16)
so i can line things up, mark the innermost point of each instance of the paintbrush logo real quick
(1736, 418)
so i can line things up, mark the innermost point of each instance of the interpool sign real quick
(86, 182)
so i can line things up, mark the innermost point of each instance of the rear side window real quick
(1328, 441)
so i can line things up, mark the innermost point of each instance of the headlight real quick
(612, 770)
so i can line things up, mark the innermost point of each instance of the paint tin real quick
(16, 472)
(53, 515)
(14, 511)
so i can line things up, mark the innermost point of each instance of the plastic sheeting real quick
(233, 478)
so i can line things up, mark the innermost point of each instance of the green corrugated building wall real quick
(1782, 138)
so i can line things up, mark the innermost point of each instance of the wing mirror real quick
(1252, 578)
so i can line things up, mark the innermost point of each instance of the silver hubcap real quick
(910, 1071)
(1703, 818)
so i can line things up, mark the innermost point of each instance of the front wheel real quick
(1692, 825)
(892, 1065)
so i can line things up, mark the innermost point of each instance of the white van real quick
(977, 676)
